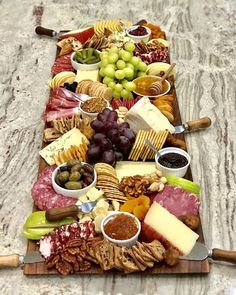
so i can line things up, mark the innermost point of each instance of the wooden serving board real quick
(183, 267)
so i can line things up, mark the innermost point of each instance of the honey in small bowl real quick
(143, 86)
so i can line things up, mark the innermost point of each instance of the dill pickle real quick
(93, 61)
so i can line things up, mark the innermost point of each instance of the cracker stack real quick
(94, 89)
(73, 153)
(107, 181)
(141, 150)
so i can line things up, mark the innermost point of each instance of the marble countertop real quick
(203, 42)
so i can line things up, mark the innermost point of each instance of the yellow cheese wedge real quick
(72, 137)
(131, 168)
(83, 75)
(170, 228)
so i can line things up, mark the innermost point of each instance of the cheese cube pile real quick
(101, 210)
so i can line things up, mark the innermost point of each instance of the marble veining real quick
(203, 42)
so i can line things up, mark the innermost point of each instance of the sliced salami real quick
(55, 242)
(61, 64)
(177, 201)
(44, 195)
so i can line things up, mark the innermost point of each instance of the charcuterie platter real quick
(115, 192)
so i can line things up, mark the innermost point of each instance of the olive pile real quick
(75, 175)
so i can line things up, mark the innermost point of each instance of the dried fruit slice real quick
(144, 200)
(129, 205)
(140, 212)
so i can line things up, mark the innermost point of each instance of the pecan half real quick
(52, 262)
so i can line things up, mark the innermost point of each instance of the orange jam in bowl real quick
(121, 228)
(143, 86)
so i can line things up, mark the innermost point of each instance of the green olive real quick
(63, 176)
(75, 176)
(73, 185)
(76, 167)
(73, 162)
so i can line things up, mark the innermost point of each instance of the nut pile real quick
(121, 112)
(74, 257)
(134, 186)
(94, 105)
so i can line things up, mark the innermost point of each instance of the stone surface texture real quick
(203, 42)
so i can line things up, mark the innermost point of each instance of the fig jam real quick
(173, 160)
(139, 31)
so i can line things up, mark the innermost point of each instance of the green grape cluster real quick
(119, 67)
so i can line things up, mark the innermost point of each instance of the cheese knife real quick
(200, 252)
(52, 33)
(15, 260)
(204, 122)
(47, 32)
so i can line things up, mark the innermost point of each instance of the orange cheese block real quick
(161, 225)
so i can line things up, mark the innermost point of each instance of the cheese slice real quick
(72, 137)
(171, 229)
(83, 75)
(131, 168)
(145, 116)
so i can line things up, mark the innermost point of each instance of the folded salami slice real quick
(177, 201)
(44, 195)
(61, 64)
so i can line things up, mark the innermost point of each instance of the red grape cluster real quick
(111, 141)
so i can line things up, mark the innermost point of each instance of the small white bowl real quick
(91, 115)
(136, 39)
(152, 96)
(123, 243)
(72, 193)
(180, 172)
(83, 67)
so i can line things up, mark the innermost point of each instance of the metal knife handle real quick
(43, 31)
(200, 123)
(224, 255)
(55, 214)
(12, 260)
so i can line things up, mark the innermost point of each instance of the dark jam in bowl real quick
(139, 31)
(173, 160)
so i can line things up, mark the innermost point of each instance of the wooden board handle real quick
(55, 214)
(12, 260)
(224, 255)
(198, 124)
(43, 31)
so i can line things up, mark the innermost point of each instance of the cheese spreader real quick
(200, 252)
(15, 260)
(204, 122)
(55, 214)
